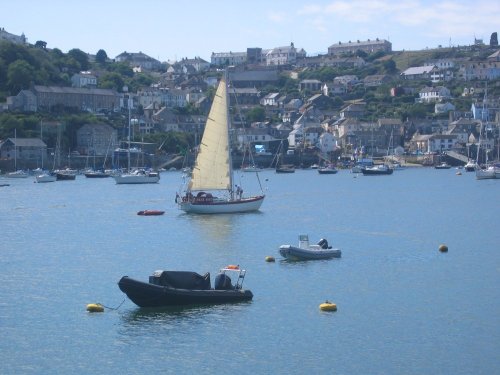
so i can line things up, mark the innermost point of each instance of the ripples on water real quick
(403, 307)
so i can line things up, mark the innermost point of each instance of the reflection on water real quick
(147, 321)
(217, 229)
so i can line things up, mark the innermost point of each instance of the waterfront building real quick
(96, 139)
(46, 97)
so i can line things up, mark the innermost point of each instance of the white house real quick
(252, 136)
(270, 99)
(311, 136)
(434, 94)
(84, 79)
(296, 137)
(175, 98)
(228, 58)
(419, 72)
(284, 55)
(327, 142)
(441, 142)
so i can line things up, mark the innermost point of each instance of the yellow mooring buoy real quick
(443, 248)
(95, 307)
(328, 306)
(270, 259)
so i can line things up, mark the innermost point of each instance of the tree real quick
(256, 114)
(494, 40)
(101, 56)
(41, 44)
(121, 68)
(112, 81)
(3, 74)
(20, 74)
(389, 66)
(361, 53)
(81, 57)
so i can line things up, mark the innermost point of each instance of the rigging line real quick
(252, 162)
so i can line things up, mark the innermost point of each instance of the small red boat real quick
(150, 212)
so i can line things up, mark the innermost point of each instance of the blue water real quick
(403, 307)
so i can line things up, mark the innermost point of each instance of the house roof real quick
(356, 107)
(443, 136)
(389, 121)
(360, 43)
(73, 90)
(494, 55)
(26, 142)
(272, 95)
(254, 75)
(433, 89)
(417, 70)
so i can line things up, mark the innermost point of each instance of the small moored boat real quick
(377, 170)
(442, 166)
(305, 251)
(327, 169)
(181, 288)
(150, 212)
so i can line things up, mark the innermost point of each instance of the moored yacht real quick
(471, 166)
(138, 176)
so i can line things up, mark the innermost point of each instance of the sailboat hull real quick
(223, 206)
(138, 177)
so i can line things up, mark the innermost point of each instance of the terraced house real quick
(40, 98)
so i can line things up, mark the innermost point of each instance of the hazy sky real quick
(169, 30)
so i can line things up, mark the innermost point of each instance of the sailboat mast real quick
(129, 121)
(41, 138)
(226, 79)
(482, 124)
(15, 149)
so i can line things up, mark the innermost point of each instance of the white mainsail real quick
(212, 170)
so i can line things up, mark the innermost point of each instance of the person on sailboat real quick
(239, 192)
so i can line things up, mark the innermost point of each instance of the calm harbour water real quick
(403, 307)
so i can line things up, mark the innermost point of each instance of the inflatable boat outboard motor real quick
(223, 282)
(323, 243)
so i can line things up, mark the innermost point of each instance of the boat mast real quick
(41, 138)
(15, 149)
(128, 154)
(481, 128)
(226, 79)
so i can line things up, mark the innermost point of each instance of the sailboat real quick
(213, 170)
(138, 175)
(488, 171)
(99, 173)
(43, 175)
(280, 167)
(17, 173)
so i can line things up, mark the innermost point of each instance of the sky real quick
(171, 30)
